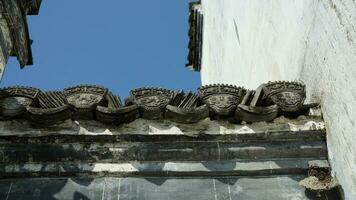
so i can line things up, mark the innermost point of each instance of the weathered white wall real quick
(251, 42)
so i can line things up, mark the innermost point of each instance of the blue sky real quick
(119, 44)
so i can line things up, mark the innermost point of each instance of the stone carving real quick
(184, 108)
(84, 99)
(151, 101)
(114, 113)
(51, 108)
(221, 99)
(251, 108)
(217, 101)
(14, 100)
(289, 96)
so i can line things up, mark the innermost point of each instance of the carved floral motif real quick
(151, 101)
(221, 99)
(289, 96)
(84, 97)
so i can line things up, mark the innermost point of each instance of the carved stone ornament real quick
(289, 96)
(14, 100)
(84, 99)
(184, 109)
(114, 112)
(88, 102)
(221, 99)
(249, 110)
(151, 101)
(51, 108)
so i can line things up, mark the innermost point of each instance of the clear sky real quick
(119, 44)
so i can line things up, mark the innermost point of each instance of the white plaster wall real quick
(309, 40)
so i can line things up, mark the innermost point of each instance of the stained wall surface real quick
(250, 42)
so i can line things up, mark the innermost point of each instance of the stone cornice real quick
(91, 102)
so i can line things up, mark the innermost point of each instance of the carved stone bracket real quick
(289, 96)
(84, 99)
(14, 100)
(152, 102)
(222, 100)
(185, 109)
(114, 112)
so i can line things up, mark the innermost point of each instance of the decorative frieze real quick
(217, 101)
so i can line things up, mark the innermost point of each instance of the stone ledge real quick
(159, 151)
(280, 128)
(158, 169)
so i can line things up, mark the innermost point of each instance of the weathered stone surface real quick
(148, 188)
(157, 151)
(281, 128)
(158, 168)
